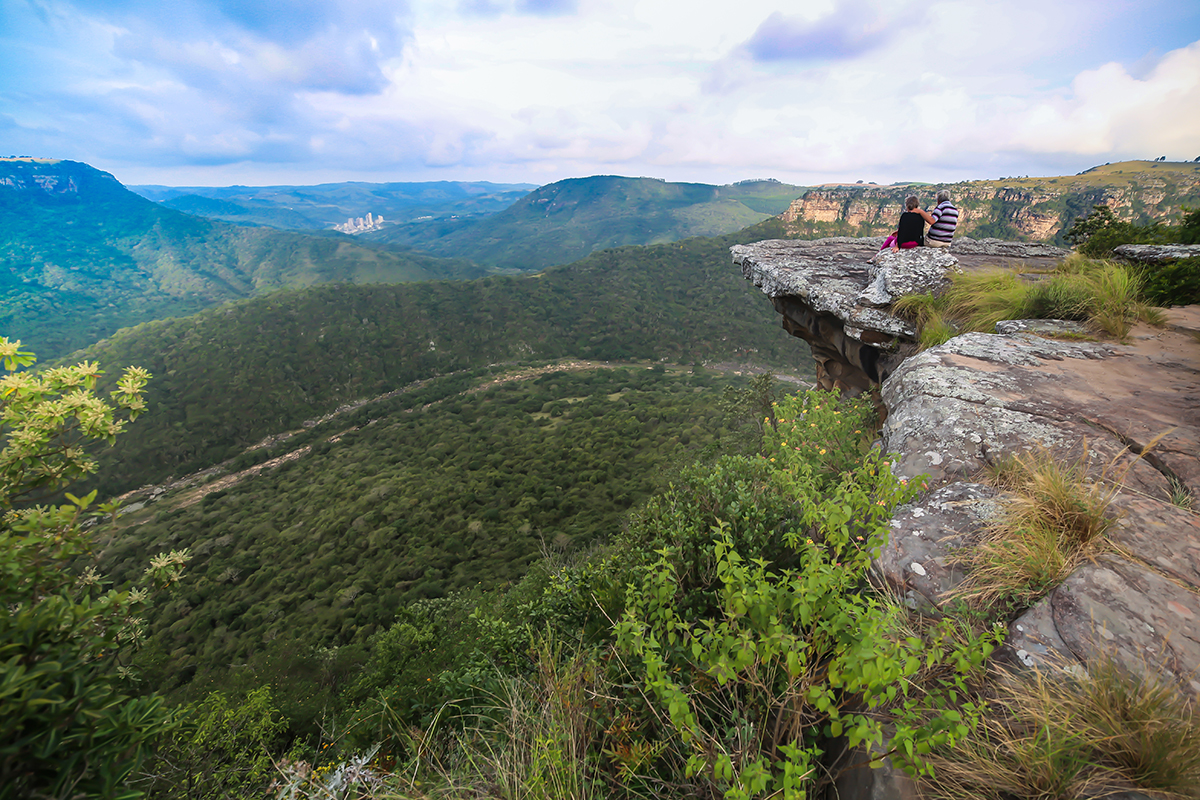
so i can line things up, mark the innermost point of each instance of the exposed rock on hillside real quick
(980, 397)
(1157, 253)
(1130, 411)
(1029, 209)
(958, 407)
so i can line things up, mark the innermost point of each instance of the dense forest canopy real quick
(229, 376)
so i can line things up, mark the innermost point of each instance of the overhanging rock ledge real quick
(834, 293)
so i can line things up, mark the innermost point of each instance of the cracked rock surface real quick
(979, 397)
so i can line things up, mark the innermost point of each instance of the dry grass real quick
(1052, 520)
(1059, 735)
(1103, 294)
(531, 744)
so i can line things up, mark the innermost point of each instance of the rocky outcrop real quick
(1133, 411)
(830, 292)
(1129, 413)
(1157, 253)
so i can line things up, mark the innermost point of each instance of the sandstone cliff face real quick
(1026, 210)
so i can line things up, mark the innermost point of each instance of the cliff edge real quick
(1129, 412)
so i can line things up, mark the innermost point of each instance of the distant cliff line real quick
(1021, 209)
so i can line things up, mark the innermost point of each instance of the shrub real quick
(69, 727)
(1176, 283)
(796, 652)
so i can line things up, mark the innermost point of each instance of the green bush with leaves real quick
(69, 727)
(222, 748)
(1172, 283)
(797, 652)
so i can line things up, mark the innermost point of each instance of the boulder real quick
(1156, 253)
(919, 270)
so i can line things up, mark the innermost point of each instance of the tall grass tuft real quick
(1103, 294)
(1063, 734)
(531, 743)
(1053, 519)
(929, 314)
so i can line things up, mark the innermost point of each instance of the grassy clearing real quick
(1064, 735)
(1105, 295)
(1053, 519)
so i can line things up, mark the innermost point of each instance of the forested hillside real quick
(81, 256)
(229, 376)
(567, 220)
(457, 485)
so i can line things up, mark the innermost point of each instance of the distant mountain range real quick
(567, 220)
(82, 256)
(325, 205)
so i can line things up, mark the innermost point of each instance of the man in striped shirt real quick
(945, 220)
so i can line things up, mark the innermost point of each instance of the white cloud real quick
(521, 90)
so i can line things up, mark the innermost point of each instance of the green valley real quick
(230, 376)
(459, 484)
(82, 257)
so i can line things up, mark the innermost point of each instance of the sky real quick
(266, 92)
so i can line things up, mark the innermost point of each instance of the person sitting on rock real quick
(911, 232)
(943, 220)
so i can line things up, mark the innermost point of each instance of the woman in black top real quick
(911, 232)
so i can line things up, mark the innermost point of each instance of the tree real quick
(68, 727)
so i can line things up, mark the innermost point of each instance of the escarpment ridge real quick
(1028, 209)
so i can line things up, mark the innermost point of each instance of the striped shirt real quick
(945, 218)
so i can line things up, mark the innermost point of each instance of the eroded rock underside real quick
(1130, 412)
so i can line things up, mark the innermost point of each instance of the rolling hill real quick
(567, 220)
(81, 256)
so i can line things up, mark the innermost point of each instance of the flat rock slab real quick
(1119, 609)
(826, 274)
(1157, 253)
(837, 275)
(958, 407)
(980, 397)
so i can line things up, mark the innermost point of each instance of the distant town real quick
(360, 224)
